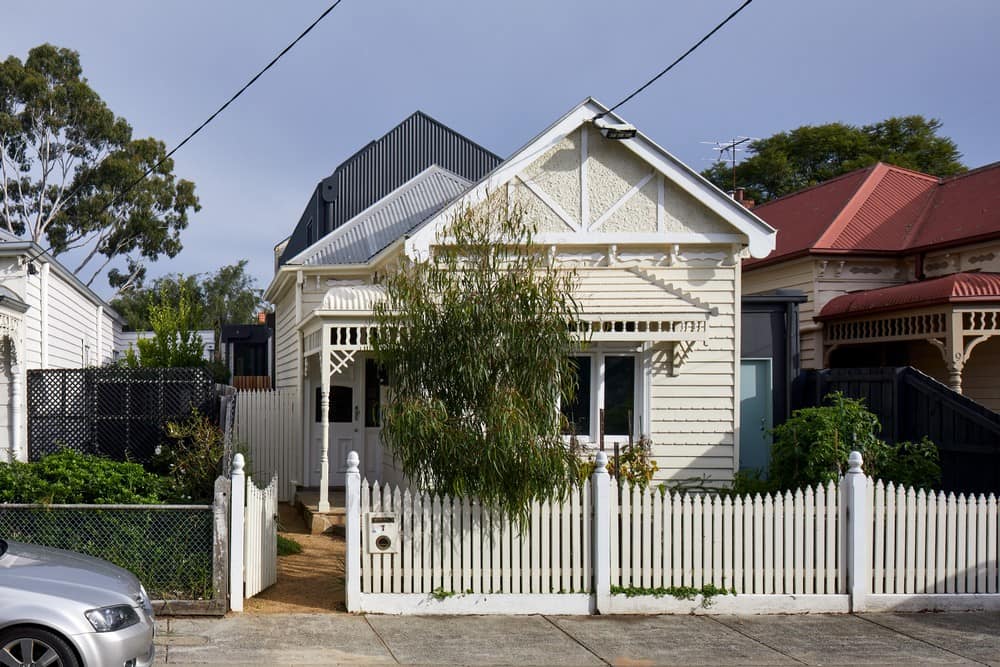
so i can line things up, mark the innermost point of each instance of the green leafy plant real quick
(813, 445)
(708, 592)
(441, 594)
(476, 341)
(175, 341)
(69, 477)
(288, 547)
(192, 457)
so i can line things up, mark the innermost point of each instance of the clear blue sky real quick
(498, 72)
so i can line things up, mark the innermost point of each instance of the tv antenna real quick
(732, 148)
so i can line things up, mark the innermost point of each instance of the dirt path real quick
(312, 581)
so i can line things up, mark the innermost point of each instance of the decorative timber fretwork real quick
(9, 326)
(641, 328)
(874, 330)
(981, 320)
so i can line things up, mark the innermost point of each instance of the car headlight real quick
(109, 619)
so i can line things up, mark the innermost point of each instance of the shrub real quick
(813, 445)
(635, 463)
(192, 458)
(69, 477)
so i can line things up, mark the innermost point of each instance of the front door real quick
(344, 427)
(756, 419)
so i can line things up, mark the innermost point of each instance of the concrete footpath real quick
(331, 639)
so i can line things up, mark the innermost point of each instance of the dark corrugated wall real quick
(387, 163)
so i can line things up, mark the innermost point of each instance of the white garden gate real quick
(254, 536)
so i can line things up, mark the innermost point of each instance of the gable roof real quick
(362, 238)
(884, 209)
(953, 288)
(759, 234)
(383, 165)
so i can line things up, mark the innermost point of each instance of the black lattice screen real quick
(114, 412)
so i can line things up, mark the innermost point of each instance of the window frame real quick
(640, 389)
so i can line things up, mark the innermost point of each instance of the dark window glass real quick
(619, 394)
(577, 411)
(341, 404)
(373, 381)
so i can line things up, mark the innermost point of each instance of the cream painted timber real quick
(979, 378)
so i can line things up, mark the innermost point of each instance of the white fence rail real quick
(853, 546)
(253, 547)
(269, 427)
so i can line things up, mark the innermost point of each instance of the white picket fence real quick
(932, 543)
(834, 548)
(785, 544)
(253, 546)
(455, 545)
(269, 427)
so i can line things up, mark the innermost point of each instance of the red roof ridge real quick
(857, 200)
(912, 172)
(815, 186)
(970, 172)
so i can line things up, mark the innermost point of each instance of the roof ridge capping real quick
(815, 186)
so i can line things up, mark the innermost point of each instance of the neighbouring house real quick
(656, 249)
(899, 268)
(247, 350)
(48, 320)
(126, 341)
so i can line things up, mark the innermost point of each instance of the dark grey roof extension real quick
(381, 167)
(359, 240)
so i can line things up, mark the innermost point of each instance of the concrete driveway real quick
(331, 639)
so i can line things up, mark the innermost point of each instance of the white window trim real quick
(641, 392)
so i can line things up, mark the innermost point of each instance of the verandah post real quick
(352, 502)
(855, 495)
(601, 539)
(237, 526)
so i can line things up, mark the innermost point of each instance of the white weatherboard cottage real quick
(657, 253)
(48, 319)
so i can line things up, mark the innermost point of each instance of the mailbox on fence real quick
(382, 529)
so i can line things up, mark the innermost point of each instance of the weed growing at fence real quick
(441, 594)
(708, 592)
(192, 457)
(288, 547)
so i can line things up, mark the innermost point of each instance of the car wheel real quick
(20, 647)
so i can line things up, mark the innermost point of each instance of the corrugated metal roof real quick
(353, 296)
(7, 237)
(954, 288)
(361, 239)
(885, 209)
(382, 166)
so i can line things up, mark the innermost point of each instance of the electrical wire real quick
(208, 120)
(676, 62)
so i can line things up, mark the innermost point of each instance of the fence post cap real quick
(238, 464)
(854, 462)
(601, 462)
(352, 461)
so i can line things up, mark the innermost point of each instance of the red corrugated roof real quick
(884, 209)
(954, 288)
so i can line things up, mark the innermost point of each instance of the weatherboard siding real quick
(797, 275)
(286, 352)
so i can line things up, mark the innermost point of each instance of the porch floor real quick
(307, 501)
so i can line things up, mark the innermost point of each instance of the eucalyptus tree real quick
(73, 177)
(476, 342)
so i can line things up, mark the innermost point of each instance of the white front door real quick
(344, 428)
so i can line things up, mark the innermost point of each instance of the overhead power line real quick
(208, 120)
(682, 57)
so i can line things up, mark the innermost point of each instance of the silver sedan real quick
(60, 608)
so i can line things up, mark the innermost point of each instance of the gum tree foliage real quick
(789, 161)
(66, 164)
(228, 295)
(476, 344)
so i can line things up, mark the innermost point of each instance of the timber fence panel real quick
(260, 549)
(269, 428)
(930, 543)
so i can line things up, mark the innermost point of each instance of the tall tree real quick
(228, 295)
(476, 343)
(789, 161)
(70, 171)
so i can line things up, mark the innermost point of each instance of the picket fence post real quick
(601, 560)
(855, 486)
(352, 566)
(237, 526)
